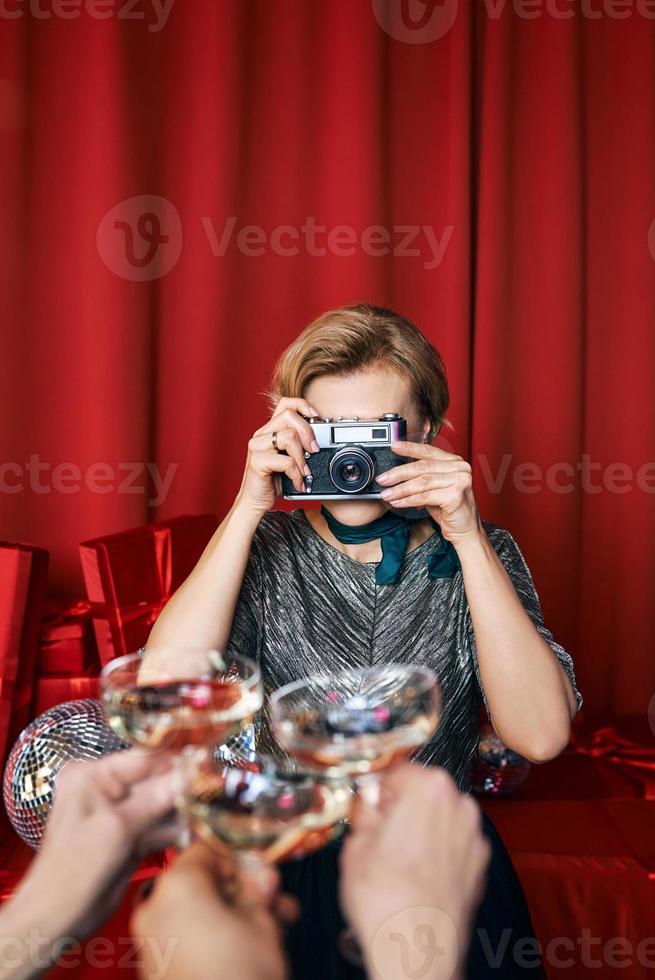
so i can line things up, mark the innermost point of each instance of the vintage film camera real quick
(352, 454)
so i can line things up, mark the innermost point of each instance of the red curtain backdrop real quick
(486, 168)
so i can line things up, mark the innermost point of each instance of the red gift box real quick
(53, 689)
(67, 642)
(130, 576)
(23, 571)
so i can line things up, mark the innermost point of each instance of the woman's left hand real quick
(437, 480)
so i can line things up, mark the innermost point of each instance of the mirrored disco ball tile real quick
(72, 731)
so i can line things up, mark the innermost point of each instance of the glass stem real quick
(369, 788)
(183, 763)
(252, 865)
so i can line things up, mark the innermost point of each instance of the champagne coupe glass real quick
(263, 810)
(180, 698)
(357, 723)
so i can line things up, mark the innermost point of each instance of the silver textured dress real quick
(304, 607)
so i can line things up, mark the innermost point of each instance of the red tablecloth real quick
(582, 837)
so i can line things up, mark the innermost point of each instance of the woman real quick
(302, 592)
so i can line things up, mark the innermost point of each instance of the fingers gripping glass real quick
(356, 724)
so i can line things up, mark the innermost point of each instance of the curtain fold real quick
(182, 195)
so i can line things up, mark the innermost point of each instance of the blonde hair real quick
(351, 338)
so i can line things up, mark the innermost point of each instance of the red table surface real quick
(582, 839)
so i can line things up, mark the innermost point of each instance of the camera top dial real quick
(315, 419)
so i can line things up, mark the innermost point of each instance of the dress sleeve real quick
(509, 553)
(247, 624)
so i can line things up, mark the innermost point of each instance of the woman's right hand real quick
(294, 436)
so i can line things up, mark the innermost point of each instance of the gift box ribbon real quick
(147, 610)
(633, 759)
(77, 610)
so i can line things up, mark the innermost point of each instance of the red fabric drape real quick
(525, 145)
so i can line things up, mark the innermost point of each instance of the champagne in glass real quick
(182, 697)
(263, 811)
(357, 722)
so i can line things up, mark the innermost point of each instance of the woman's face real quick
(368, 394)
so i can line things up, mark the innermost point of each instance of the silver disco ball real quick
(496, 769)
(70, 731)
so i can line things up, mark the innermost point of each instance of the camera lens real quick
(351, 470)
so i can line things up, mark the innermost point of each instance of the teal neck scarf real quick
(393, 531)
